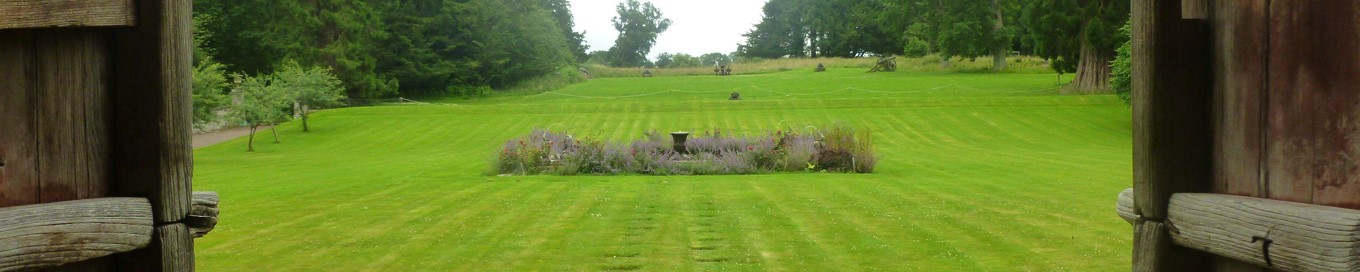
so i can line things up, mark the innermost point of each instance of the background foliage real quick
(386, 48)
(1063, 32)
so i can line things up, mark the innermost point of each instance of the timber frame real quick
(95, 153)
(1246, 136)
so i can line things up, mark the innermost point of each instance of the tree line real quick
(425, 48)
(387, 48)
(1074, 35)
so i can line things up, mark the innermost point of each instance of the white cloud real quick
(697, 26)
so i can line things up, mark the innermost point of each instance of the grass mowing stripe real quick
(419, 228)
(962, 158)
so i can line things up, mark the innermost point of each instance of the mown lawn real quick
(978, 172)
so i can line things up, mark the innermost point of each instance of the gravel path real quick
(212, 138)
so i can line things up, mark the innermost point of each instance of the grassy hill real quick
(978, 172)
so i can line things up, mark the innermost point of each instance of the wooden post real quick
(1172, 126)
(18, 139)
(171, 249)
(1194, 9)
(152, 112)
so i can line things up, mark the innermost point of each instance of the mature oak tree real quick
(638, 24)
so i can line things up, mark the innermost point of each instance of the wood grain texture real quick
(1171, 89)
(1194, 9)
(1124, 206)
(73, 114)
(65, 13)
(1172, 126)
(1303, 237)
(152, 80)
(1154, 251)
(172, 248)
(1314, 52)
(1148, 240)
(1290, 147)
(18, 138)
(203, 217)
(51, 234)
(1239, 30)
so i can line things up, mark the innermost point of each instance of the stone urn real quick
(679, 144)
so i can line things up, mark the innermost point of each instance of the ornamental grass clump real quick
(840, 149)
(843, 149)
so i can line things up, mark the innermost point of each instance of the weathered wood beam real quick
(1151, 247)
(65, 13)
(18, 117)
(1281, 235)
(52, 234)
(152, 74)
(151, 65)
(1195, 9)
(1124, 206)
(1172, 129)
(172, 249)
(203, 217)
(1172, 126)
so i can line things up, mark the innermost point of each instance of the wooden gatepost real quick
(1247, 136)
(95, 155)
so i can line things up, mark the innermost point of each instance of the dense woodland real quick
(423, 48)
(383, 48)
(1076, 36)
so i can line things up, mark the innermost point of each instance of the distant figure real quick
(886, 64)
(735, 96)
(727, 71)
(646, 72)
(722, 70)
(821, 68)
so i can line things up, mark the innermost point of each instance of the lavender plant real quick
(841, 149)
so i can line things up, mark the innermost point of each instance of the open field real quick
(978, 172)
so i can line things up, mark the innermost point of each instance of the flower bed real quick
(837, 149)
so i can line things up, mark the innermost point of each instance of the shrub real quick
(915, 48)
(208, 97)
(845, 150)
(709, 153)
(1121, 67)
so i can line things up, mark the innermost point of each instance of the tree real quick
(715, 58)
(208, 78)
(262, 103)
(600, 57)
(1078, 36)
(781, 32)
(254, 36)
(344, 35)
(561, 13)
(310, 88)
(638, 24)
(383, 48)
(208, 84)
(663, 60)
(1121, 69)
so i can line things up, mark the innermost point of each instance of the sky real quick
(697, 26)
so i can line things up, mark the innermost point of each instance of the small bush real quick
(708, 153)
(1121, 67)
(915, 48)
(845, 150)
